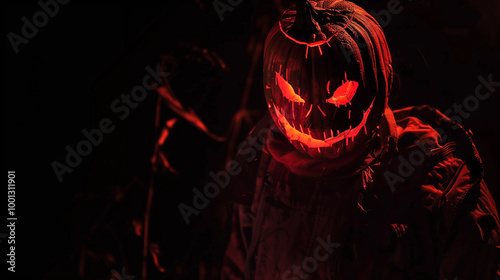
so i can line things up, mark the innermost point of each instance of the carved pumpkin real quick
(327, 76)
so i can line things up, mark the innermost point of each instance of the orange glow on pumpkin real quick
(287, 90)
(343, 94)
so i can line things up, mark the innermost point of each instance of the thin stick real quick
(145, 245)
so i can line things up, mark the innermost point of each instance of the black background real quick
(66, 77)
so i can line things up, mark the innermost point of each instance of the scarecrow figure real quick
(336, 185)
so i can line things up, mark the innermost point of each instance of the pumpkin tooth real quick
(323, 113)
(310, 109)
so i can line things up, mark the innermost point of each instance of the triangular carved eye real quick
(287, 90)
(343, 94)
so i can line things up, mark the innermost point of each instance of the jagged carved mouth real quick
(309, 141)
(299, 127)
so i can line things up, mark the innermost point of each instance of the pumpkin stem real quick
(315, 20)
(305, 20)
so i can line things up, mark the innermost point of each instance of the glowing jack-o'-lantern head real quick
(327, 76)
